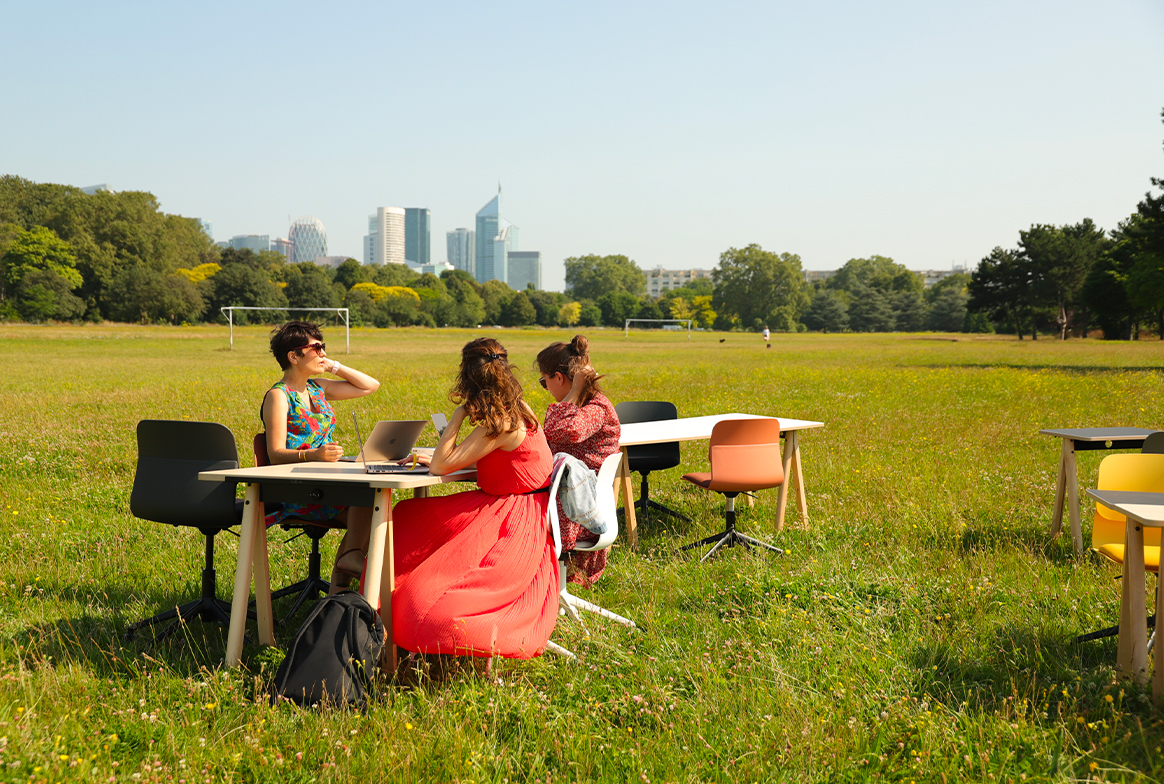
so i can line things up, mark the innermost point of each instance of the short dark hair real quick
(291, 336)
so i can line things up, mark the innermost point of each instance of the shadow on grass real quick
(994, 532)
(98, 639)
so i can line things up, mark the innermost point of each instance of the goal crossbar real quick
(626, 327)
(229, 310)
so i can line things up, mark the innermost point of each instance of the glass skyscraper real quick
(495, 238)
(417, 238)
(461, 249)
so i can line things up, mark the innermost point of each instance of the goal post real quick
(343, 313)
(626, 327)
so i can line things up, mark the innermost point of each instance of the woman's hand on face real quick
(328, 453)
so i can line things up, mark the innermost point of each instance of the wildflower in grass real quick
(1107, 698)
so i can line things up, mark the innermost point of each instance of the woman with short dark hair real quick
(476, 573)
(299, 421)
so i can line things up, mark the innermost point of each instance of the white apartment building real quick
(384, 243)
(660, 280)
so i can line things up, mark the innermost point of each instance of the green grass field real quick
(920, 627)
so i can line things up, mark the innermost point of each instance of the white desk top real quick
(349, 473)
(1101, 433)
(1145, 508)
(694, 428)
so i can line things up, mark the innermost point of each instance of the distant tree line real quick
(68, 256)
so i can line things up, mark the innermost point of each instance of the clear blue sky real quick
(667, 131)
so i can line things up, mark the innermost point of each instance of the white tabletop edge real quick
(695, 428)
(1066, 432)
(346, 473)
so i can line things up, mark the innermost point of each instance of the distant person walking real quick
(767, 336)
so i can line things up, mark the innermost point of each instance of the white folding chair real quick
(568, 604)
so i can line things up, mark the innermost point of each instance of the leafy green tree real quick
(143, 295)
(470, 307)
(876, 272)
(547, 304)
(909, 311)
(1001, 287)
(518, 311)
(870, 310)
(617, 307)
(308, 286)
(393, 275)
(828, 312)
(352, 272)
(38, 248)
(589, 315)
(570, 313)
(462, 276)
(947, 311)
(243, 283)
(589, 277)
(43, 295)
(1105, 290)
(649, 309)
(1060, 258)
(494, 294)
(758, 287)
(1143, 237)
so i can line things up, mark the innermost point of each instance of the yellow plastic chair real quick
(1137, 473)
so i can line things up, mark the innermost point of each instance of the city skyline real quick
(929, 134)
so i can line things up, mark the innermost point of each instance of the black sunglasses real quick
(316, 346)
(542, 381)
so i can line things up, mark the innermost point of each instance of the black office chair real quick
(1154, 444)
(313, 584)
(646, 458)
(166, 489)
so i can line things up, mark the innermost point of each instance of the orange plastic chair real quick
(1136, 473)
(745, 456)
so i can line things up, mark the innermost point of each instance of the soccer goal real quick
(668, 324)
(229, 310)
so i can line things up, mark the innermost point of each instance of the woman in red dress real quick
(582, 423)
(475, 571)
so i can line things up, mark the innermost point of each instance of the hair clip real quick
(493, 357)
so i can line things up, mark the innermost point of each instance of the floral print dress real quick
(308, 427)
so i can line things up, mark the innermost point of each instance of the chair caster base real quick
(207, 608)
(1111, 631)
(729, 538)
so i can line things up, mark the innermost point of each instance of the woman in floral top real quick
(582, 423)
(299, 421)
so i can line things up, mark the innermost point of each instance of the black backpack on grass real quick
(333, 655)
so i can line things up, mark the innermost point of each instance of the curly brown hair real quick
(489, 391)
(568, 358)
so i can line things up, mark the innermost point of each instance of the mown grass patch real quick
(919, 627)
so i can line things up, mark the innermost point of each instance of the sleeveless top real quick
(307, 427)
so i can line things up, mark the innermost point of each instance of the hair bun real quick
(580, 345)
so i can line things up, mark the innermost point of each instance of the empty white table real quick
(1084, 439)
(699, 428)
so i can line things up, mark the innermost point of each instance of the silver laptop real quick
(390, 441)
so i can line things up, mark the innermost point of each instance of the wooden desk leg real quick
(262, 569)
(1060, 487)
(628, 499)
(782, 493)
(251, 522)
(1158, 650)
(380, 573)
(1132, 654)
(1071, 483)
(798, 472)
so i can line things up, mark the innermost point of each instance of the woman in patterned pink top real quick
(582, 423)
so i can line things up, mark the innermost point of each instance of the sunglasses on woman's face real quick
(316, 347)
(542, 381)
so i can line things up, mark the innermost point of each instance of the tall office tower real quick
(417, 238)
(495, 238)
(309, 239)
(461, 250)
(207, 227)
(524, 267)
(284, 246)
(384, 243)
(255, 242)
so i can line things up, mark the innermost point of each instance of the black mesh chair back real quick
(645, 458)
(166, 489)
(649, 457)
(1154, 444)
